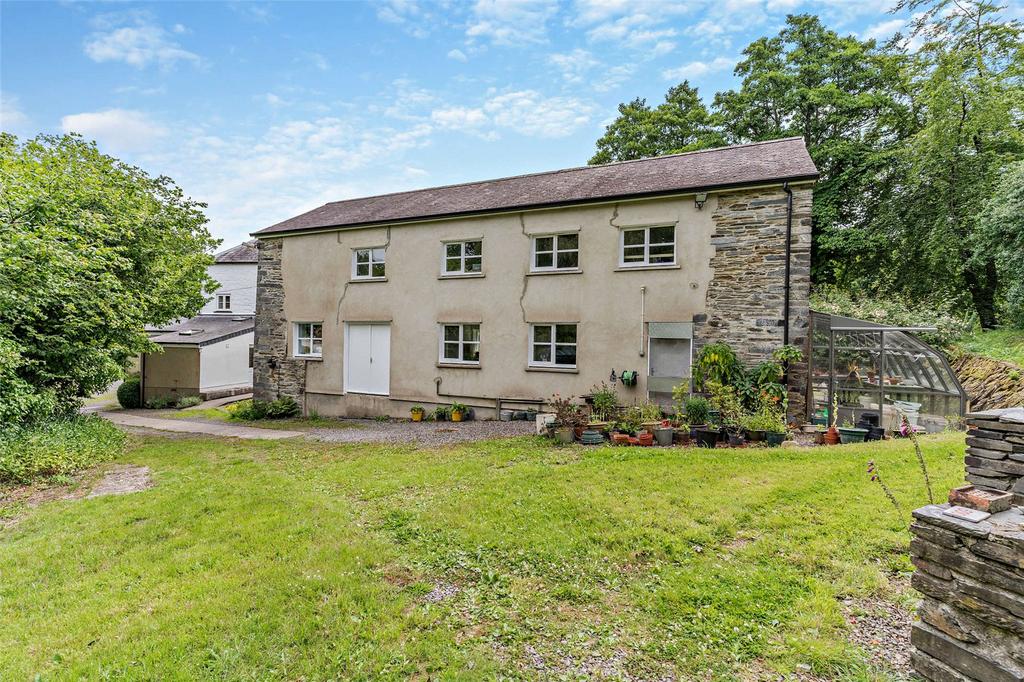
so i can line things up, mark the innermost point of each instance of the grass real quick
(998, 344)
(511, 558)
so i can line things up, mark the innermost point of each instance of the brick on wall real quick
(275, 374)
(745, 300)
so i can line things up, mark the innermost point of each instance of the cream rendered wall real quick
(603, 299)
(225, 364)
(238, 280)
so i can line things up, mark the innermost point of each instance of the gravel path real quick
(423, 433)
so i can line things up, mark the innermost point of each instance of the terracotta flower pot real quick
(620, 438)
(832, 436)
(646, 439)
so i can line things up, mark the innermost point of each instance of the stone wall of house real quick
(745, 300)
(275, 373)
(995, 450)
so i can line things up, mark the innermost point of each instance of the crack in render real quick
(344, 292)
(526, 279)
(615, 216)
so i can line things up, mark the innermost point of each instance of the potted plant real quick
(417, 413)
(698, 414)
(569, 418)
(441, 413)
(605, 403)
(848, 433)
(458, 411)
(725, 400)
(664, 433)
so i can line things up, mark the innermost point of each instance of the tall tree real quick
(1000, 239)
(91, 251)
(681, 123)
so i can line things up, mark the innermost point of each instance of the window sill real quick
(555, 370)
(458, 365)
(225, 312)
(311, 358)
(631, 268)
(463, 275)
(567, 271)
(360, 280)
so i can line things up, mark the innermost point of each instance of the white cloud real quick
(458, 55)
(884, 30)
(511, 22)
(529, 113)
(573, 65)
(273, 100)
(459, 118)
(120, 130)
(697, 69)
(12, 118)
(614, 77)
(317, 60)
(139, 44)
(408, 14)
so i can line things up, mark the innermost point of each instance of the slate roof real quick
(206, 329)
(246, 252)
(738, 165)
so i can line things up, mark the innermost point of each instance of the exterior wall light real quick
(699, 199)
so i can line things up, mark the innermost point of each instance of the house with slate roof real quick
(498, 294)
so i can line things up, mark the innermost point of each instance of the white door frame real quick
(345, 358)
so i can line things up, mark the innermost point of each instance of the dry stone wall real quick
(275, 374)
(995, 450)
(746, 297)
(990, 384)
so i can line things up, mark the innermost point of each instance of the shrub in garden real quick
(161, 402)
(56, 448)
(189, 401)
(252, 410)
(128, 393)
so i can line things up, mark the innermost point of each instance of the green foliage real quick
(441, 413)
(253, 410)
(56, 448)
(716, 362)
(606, 401)
(189, 401)
(161, 402)
(726, 401)
(567, 412)
(460, 408)
(1000, 237)
(698, 411)
(787, 354)
(93, 250)
(129, 394)
(897, 312)
(20, 401)
(417, 409)
(768, 415)
(999, 344)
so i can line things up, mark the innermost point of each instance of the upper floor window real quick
(460, 343)
(463, 258)
(648, 246)
(368, 263)
(556, 252)
(553, 345)
(224, 302)
(309, 339)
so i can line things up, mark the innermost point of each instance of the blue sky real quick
(267, 110)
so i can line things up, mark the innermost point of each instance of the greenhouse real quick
(878, 373)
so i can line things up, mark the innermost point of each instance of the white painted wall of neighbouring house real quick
(225, 364)
(237, 280)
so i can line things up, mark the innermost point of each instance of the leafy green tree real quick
(681, 123)
(91, 251)
(1000, 239)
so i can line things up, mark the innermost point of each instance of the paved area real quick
(205, 428)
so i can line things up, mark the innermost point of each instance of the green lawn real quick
(516, 558)
(999, 344)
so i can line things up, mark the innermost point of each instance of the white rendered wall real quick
(225, 364)
(238, 280)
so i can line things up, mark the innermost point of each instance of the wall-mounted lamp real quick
(699, 199)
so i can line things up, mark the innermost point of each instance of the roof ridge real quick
(562, 170)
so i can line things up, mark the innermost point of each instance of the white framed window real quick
(224, 302)
(460, 343)
(655, 245)
(556, 252)
(553, 345)
(463, 258)
(309, 339)
(368, 263)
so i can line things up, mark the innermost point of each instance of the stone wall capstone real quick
(745, 300)
(275, 373)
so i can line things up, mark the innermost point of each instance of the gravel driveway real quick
(423, 433)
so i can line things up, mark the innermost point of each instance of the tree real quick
(91, 251)
(1000, 240)
(681, 123)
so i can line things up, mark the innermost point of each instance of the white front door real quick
(368, 358)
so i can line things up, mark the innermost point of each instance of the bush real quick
(129, 394)
(161, 402)
(253, 410)
(189, 401)
(698, 411)
(57, 448)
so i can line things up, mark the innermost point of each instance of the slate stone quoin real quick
(995, 451)
(275, 373)
(746, 297)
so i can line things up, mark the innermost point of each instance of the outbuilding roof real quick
(711, 169)
(246, 252)
(202, 330)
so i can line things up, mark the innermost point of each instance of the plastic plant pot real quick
(736, 440)
(706, 437)
(664, 436)
(774, 440)
(563, 434)
(852, 435)
(755, 436)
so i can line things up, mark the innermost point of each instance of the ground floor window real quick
(460, 343)
(309, 339)
(553, 345)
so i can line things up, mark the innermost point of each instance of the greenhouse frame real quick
(885, 370)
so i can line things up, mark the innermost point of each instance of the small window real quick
(553, 345)
(556, 252)
(368, 263)
(309, 339)
(251, 354)
(648, 246)
(224, 302)
(463, 258)
(460, 343)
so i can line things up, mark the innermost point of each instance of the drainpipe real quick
(789, 248)
(643, 316)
